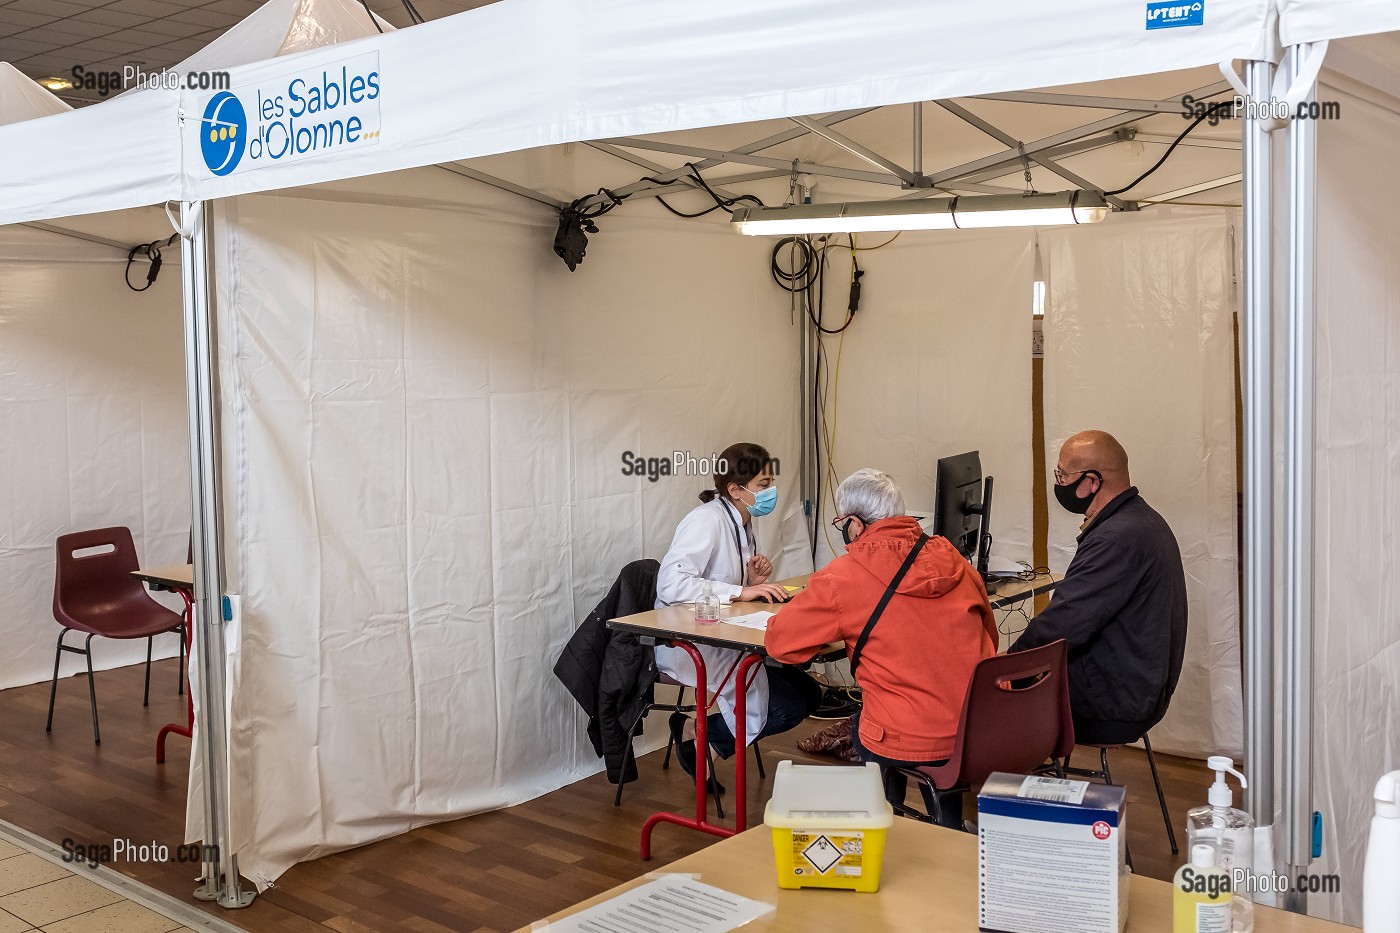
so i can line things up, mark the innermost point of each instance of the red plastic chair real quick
(96, 593)
(1015, 718)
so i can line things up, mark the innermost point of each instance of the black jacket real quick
(1122, 609)
(610, 673)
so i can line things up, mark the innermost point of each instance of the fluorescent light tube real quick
(1064, 207)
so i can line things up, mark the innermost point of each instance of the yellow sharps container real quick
(829, 825)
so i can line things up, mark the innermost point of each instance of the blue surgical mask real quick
(763, 501)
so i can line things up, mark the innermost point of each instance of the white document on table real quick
(758, 620)
(669, 904)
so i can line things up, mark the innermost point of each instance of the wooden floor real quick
(492, 872)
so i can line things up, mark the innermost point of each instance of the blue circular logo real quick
(223, 134)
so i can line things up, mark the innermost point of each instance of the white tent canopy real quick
(1319, 20)
(545, 71)
(23, 98)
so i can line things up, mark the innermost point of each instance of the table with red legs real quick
(676, 626)
(178, 579)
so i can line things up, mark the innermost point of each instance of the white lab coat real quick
(706, 547)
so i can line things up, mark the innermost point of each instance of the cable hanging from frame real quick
(577, 219)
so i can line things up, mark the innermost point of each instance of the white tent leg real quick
(1258, 456)
(1298, 493)
(221, 880)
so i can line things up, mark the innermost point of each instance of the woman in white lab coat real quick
(716, 543)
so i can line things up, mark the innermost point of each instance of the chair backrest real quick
(1016, 714)
(96, 581)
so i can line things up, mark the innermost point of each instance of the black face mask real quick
(846, 538)
(1068, 494)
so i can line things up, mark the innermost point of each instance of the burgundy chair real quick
(95, 593)
(1015, 718)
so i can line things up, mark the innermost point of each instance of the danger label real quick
(829, 852)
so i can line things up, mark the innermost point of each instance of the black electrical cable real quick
(153, 251)
(1197, 122)
(413, 13)
(809, 278)
(372, 18)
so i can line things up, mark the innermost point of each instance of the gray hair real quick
(870, 495)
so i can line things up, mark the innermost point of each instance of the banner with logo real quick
(307, 113)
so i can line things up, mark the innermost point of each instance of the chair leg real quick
(181, 672)
(1161, 798)
(628, 755)
(53, 688)
(758, 760)
(671, 742)
(719, 805)
(92, 692)
(146, 698)
(1108, 779)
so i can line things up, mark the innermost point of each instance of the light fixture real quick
(56, 83)
(999, 210)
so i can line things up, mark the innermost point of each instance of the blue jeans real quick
(947, 807)
(792, 696)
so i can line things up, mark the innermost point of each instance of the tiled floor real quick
(39, 894)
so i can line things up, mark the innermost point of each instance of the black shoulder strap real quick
(884, 601)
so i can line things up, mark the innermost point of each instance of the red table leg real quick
(702, 762)
(741, 692)
(186, 730)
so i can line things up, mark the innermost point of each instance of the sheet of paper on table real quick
(669, 904)
(758, 620)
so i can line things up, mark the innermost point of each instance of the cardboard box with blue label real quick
(1051, 857)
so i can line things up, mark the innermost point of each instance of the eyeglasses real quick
(1061, 476)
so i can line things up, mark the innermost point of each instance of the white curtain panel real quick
(1138, 342)
(425, 416)
(93, 421)
(936, 363)
(1356, 645)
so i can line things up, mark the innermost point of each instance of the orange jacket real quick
(916, 665)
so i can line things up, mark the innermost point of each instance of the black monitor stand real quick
(984, 535)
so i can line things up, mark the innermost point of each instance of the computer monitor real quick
(963, 507)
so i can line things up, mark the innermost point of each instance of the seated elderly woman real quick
(914, 617)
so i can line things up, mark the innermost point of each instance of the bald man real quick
(1122, 604)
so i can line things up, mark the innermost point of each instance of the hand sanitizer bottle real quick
(1380, 882)
(1231, 833)
(707, 609)
(1201, 895)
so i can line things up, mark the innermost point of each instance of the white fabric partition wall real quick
(94, 431)
(1356, 649)
(1138, 342)
(937, 362)
(425, 416)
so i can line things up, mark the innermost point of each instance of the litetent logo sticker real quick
(315, 112)
(223, 133)
(1173, 13)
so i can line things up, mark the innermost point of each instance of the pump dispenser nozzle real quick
(1220, 793)
(1388, 796)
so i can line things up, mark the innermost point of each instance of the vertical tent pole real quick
(1298, 489)
(807, 463)
(1258, 453)
(221, 880)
